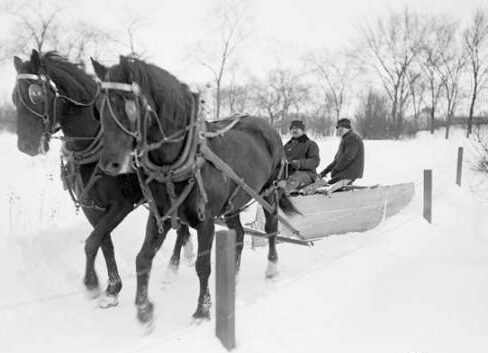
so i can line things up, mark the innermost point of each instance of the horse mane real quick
(173, 99)
(70, 77)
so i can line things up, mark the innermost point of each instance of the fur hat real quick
(297, 124)
(344, 123)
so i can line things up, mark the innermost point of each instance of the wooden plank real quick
(428, 195)
(399, 196)
(338, 213)
(225, 258)
(459, 170)
(357, 210)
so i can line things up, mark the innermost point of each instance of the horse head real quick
(141, 104)
(52, 93)
(32, 95)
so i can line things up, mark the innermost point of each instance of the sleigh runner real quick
(357, 209)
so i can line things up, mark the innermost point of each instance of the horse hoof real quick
(200, 316)
(272, 271)
(189, 253)
(170, 275)
(108, 301)
(145, 313)
(92, 293)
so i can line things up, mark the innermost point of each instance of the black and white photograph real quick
(275, 176)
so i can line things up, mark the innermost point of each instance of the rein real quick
(46, 83)
(187, 167)
(88, 155)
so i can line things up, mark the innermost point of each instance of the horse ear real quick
(100, 70)
(35, 60)
(17, 63)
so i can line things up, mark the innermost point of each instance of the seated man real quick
(302, 156)
(348, 163)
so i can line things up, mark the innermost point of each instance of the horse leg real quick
(271, 226)
(114, 285)
(152, 242)
(102, 228)
(234, 222)
(182, 238)
(188, 249)
(205, 231)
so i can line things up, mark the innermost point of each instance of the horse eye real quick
(36, 94)
(131, 110)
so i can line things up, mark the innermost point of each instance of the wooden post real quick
(225, 287)
(459, 166)
(428, 195)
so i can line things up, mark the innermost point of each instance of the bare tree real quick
(417, 87)
(135, 48)
(37, 26)
(453, 61)
(390, 49)
(335, 74)
(266, 100)
(86, 40)
(232, 29)
(476, 44)
(235, 97)
(429, 63)
(44, 27)
(291, 92)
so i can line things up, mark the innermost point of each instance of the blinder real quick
(131, 106)
(131, 110)
(36, 94)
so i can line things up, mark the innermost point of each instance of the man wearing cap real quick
(348, 163)
(302, 155)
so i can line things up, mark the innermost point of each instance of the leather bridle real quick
(51, 124)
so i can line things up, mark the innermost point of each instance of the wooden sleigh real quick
(357, 209)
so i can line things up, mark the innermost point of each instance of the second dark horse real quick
(53, 93)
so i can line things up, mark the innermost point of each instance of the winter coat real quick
(348, 162)
(306, 154)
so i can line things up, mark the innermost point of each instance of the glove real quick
(295, 164)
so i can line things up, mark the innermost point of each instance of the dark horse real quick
(159, 110)
(53, 93)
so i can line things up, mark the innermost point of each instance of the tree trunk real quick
(471, 109)
(448, 125)
(432, 120)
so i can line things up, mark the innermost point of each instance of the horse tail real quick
(286, 205)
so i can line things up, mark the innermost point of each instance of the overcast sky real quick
(281, 28)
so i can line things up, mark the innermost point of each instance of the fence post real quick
(459, 166)
(225, 258)
(428, 195)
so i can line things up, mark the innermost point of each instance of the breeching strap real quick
(227, 170)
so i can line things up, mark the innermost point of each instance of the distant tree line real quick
(405, 71)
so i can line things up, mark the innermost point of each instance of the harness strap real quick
(221, 132)
(88, 155)
(28, 77)
(67, 175)
(226, 169)
(119, 86)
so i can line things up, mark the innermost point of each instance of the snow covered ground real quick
(406, 286)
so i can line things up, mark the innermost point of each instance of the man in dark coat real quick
(302, 155)
(348, 163)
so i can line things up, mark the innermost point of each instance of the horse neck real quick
(168, 152)
(78, 122)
